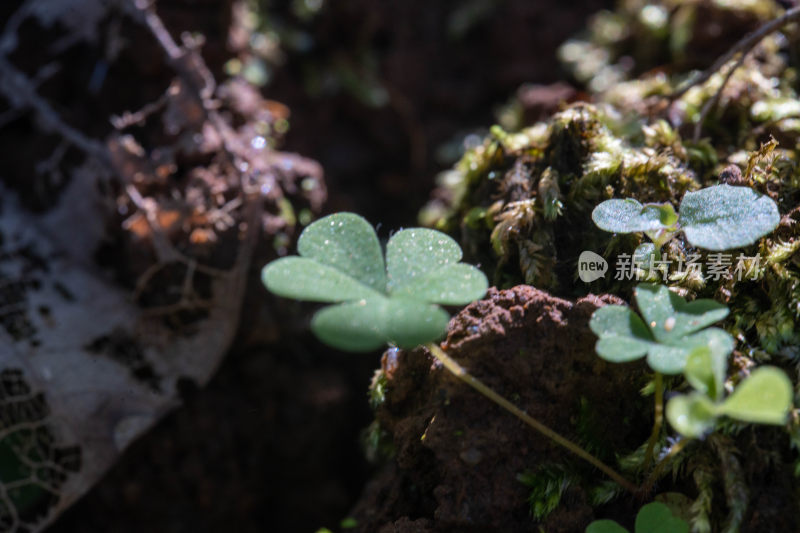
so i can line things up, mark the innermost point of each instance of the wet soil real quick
(458, 456)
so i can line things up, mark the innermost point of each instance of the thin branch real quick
(9, 39)
(712, 102)
(128, 118)
(191, 69)
(747, 43)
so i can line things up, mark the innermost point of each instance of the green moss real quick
(529, 195)
(548, 484)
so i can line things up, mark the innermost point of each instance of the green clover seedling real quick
(654, 517)
(671, 329)
(393, 302)
(716, 218)
(764, 397)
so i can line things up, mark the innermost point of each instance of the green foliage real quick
(725, 217)
(669, 332)
(341, 261)
(547, 485)
(629, 216)
(716, 218)
(765, 397)
(652, 518)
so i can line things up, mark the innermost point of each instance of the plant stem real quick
(461, 373)
(658, 419)
(673, 451)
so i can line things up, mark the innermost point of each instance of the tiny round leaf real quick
(658, 518)
(765, 397)
(691, 416)
(629, 216)
(723, 217)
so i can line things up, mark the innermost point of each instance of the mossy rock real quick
(520, 205)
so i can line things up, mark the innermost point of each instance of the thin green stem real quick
(462, 374)
(658, 419)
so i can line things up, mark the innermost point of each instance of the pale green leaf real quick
(628, 216)
(725, 217)
(643, 253)
(450, 285)
(691, 415)
(671, 358)
(667, 359)
(424, 264)
(341, 261)
(356, 326)
(346, 242)
(623, 336)
(305, 279)
(618, 321)
(706, 367)
(765, 397)
(670, 317)
(368, 324)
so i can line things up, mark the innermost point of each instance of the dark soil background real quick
(273, 443)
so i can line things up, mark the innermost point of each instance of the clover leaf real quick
(725, 217)
(692, 415)
(765, 397)
(716, 218)
(654, 517)
(669, 332)
(341, 261)
(629, 216)
(705, 370)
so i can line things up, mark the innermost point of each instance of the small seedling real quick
(674, 341)
(652, 518)
(341, 261)
(394, 302)
(764, 397)
(716, 218)
(671, 329)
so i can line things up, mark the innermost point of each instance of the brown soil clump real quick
(458, 455)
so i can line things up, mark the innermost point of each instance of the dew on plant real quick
(258, 142)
